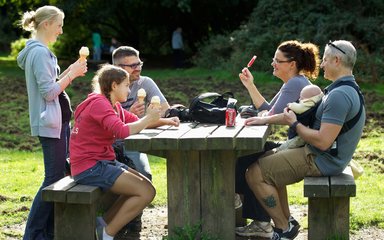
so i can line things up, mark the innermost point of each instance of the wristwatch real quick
(294, 125)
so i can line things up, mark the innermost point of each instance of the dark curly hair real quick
(306, 56)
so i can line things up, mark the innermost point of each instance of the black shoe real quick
(135, 224)
(290, 234)
(293, 221)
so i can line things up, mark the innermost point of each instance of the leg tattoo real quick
(270, 201)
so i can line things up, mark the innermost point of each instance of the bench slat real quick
(83, 194)
(57, 192)
(343, 185)
(316, 187)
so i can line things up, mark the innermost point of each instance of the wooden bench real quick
(328, 205)
(76, 208)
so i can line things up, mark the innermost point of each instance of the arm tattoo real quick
(270, 201)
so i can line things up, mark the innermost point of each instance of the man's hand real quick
(137, 108)
(172, 121)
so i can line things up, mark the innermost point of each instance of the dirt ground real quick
(155, 227)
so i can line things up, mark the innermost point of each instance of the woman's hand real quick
(289, 116)
(246, 77)
(263, 113)
(78, 69)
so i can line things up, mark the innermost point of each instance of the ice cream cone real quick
(155, 101)
(84, 53)
(141, 94)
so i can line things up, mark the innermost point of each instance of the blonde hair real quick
(31, 20)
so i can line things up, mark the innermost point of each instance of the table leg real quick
(183, 174)
(217, 193)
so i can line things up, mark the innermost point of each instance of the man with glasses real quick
(128, 59)
(330, 144)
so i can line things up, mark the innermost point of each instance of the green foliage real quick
(275, 21)
(146, 25)
(189, 232)
(17, 46)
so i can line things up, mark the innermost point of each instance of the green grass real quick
(22, 174)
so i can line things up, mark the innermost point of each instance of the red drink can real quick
(230, 117)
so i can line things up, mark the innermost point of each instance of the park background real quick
(220, 37)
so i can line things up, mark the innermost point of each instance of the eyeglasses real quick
(133, 66)
(275, 60)
(333, 45)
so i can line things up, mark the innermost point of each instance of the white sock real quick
(289, 227)
(264, 224)
(106, 236)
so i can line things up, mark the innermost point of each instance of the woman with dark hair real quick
(294, 63)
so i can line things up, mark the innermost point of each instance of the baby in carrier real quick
(305, 109)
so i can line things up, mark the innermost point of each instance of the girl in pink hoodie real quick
(99, 120)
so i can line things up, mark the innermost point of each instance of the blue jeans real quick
(103, 174)
(40, 221)
(141, 163)
(97, 53)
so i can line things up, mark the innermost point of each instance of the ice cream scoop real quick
(84, 53)
(141, 94)
(155, 101)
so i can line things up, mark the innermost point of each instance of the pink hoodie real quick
(96, 127)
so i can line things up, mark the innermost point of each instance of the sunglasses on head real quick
(333, 45)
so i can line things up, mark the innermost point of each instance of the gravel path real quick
(155, 227)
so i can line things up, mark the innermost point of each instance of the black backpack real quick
(210, 107)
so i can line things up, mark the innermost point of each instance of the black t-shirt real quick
(66, 110)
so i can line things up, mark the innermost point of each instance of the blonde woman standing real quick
(49, 106)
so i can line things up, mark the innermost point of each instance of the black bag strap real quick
(351, 123)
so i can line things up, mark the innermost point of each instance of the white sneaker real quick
(256, 229)
(238, 203)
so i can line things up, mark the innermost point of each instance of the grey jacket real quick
(41, 71)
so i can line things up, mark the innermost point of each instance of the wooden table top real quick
(194, 136)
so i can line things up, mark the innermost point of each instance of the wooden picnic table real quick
(201, 170)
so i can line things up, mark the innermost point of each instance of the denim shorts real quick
(103, 174)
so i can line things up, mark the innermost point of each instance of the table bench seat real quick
(75, 207)
(328, 205)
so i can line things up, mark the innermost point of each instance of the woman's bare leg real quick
(138, 192)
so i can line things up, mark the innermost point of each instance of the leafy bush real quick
(275, 21)
(17, 46)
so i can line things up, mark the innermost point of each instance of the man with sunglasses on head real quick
(336, 131)
(128, 58)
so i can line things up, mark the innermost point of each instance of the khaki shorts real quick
(288, 166)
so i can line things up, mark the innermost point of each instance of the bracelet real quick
(294, 125)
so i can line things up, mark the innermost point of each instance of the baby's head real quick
(310, 91)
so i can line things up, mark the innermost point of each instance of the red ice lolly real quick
(251, 61)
